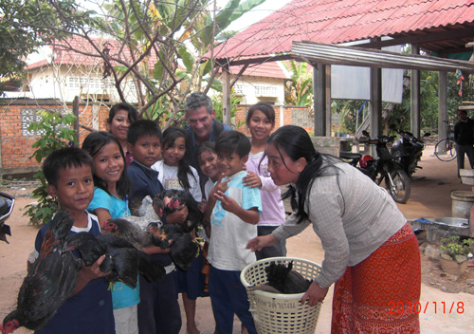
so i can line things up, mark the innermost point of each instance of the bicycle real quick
(444, 149)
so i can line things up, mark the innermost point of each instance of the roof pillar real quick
(375, 104)
(415, 96)
(226, 95)
(319, 97)
(442, 105)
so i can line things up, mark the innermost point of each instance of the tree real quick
(55, 132)
(429, 103)
(299, 90)
(165, 48)
(27, 24)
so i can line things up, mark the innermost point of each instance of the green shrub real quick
(55, 131)
(455, 246)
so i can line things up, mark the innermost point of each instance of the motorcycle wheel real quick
(401, 188)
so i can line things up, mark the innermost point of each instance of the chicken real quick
(127, 230)
(123, 260)
(171, 200)
(50, 281)
(4, 230)
(283, 279)
(6, 206)
(133, 233)
(183, 248)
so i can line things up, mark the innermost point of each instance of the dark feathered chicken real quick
(127, 230)
(134, 234)
(4, 230)
(283, 279)
(122, 260)
(286, 280)
(170, 200)
(6, 206)
(183, 249)
(51, 280)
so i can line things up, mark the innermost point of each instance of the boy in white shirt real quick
(233, 211)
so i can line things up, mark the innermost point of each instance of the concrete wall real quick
(284, 115)
(291, 115)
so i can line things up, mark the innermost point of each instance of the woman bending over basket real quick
(371, 253)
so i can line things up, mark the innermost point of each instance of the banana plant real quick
(299, 89)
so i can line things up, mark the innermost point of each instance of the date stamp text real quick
(424, 307)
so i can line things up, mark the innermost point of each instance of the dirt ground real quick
(430, 198)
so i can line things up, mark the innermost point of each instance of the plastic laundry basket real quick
(276, 312)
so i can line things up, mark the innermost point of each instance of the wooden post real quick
(375, 105)
(226, 95)
(415, 96)
(328, 101)
(75, 111)
(319, 93)
(442, 105)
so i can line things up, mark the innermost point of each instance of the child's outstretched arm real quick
(250, 216)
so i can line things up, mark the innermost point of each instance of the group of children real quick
(97, 183)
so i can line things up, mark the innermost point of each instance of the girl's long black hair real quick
(296, 143)
(169, 137)
(93, 143)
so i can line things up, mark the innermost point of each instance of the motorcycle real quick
(384, 167)
(7, 203)
(408, 150)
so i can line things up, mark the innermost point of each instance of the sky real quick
(256, 14)
(251, 17)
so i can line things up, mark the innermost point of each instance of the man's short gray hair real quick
(196, 100)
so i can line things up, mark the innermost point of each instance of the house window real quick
(270, 91)
(238, 89)
(74, 82)
(29, 116)
(89, 83)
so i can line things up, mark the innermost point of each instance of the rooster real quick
(50, 281)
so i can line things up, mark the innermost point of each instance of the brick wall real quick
(16, 147)
(16, 143)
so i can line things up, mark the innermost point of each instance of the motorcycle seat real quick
(349, 155)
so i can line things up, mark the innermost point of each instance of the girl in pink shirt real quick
(261, 121)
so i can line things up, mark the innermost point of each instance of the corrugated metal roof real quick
(266, 70)
(340, 55)
(65, 53)
(339, 21)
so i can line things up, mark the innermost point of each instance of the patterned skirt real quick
(380, 294)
